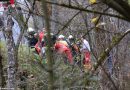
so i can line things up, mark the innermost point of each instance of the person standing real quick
(40, 42)
(31, 37)
(85, 49)
(74, 47)
(62, 47)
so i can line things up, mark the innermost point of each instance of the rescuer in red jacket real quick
(62, 47)
(39, 44)
(85, 49)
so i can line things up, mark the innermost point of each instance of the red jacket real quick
(37, 46)
(86, 57)
(12, 1)
(41, 35)
(63, 49)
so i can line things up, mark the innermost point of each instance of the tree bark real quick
(2, 79)
(38, 21)
(11, 69)
(49, 45)
(54, 25)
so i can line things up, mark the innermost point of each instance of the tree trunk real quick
(54, 25)
(11, 69)
(2, 79)
(38, 21)
(49, 45)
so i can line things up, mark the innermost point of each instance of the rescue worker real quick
(62, 47)
(75, 51)
(53, 39)
(74, 48)
(31, 37)
(45, 41)
(40, 44)
(85, 49)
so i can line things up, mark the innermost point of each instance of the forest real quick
(64, 44)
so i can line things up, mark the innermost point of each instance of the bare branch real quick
(115, 41)
(87, 10)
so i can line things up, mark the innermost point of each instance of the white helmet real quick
(61, 36)
(44, 29)
(70, 37)
(30, 29)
